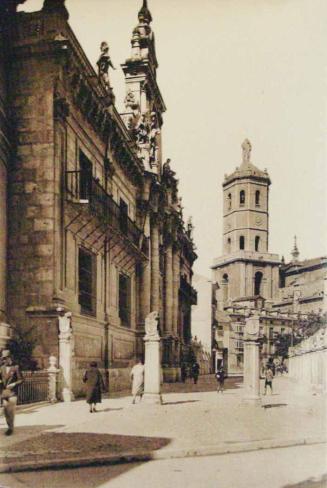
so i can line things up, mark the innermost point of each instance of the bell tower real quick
(143, 102)
(245, 207)
(246, 269)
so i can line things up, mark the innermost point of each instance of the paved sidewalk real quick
(187, 424)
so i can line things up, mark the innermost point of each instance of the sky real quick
(230, 70)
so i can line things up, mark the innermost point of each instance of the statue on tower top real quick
(246, 150)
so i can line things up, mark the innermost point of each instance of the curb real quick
(6, 466)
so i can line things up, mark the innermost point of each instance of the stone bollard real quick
(52, 378)
(65, 356)
(152, 367)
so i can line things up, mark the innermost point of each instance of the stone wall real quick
(308, 362)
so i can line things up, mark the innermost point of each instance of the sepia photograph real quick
(163, 243)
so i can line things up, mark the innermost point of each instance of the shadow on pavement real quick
(310, 483)
(61, 445)
(178, 403)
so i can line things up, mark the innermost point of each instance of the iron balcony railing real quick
(82, 188)
(188, 291)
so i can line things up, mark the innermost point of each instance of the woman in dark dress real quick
(94, 385)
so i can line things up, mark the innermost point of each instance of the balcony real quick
(188, 291)
(83, 189)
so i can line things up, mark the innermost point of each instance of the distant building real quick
(202, 311)
(248, 278)
(96, 230)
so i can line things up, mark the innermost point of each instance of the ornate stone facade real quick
(96, 230)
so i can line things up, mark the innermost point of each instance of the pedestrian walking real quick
(10, 379)
(137, 376)
(195, 372)
(269, 379)
(94, 386)
(220, 376)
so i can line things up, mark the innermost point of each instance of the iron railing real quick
(82, 188)
(188, 291)
(35, 387)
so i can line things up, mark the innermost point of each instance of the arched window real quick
(257, 283)
(225, 285)
(257, 198)
(242, 242)
(242, 197)
(256, 243)
(229, 200)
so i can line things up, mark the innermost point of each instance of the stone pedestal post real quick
(65, 357)
(152, 368)
(251, 361)
(53, 374)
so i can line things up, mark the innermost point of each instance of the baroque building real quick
(96, 236)
(248, 279)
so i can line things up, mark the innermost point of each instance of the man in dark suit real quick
(10, 378)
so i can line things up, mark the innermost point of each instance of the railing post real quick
(52, 379)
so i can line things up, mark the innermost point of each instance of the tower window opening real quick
(257, 198)
(242, 242)
(225, 283)
(257, 243)
(257, 283)
(229, 200)
(242, 197)
(229, 245)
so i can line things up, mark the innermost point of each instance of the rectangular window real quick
(85, 177)
(124, 299)
(86, 281)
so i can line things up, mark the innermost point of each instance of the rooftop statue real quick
(246, 149)
(104, 63)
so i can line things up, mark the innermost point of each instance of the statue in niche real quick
(142, 131)
(154, 142)
(104, 63)
(246, 149)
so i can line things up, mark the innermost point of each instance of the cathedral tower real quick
(246, 268)
(144, 103)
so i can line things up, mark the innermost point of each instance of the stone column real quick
(3, 240)
(65, 357)
(152, 368)
(145, 290)
(155, 266)
(176, 281)
(169, 297)
(251, 361)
